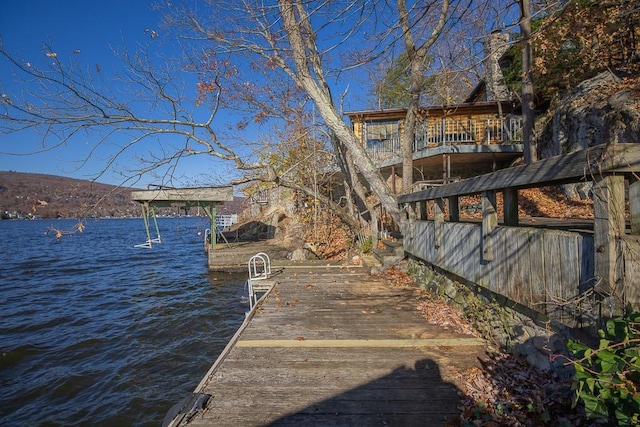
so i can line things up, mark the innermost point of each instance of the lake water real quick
(96, 332)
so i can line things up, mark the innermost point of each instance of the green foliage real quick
(607, 379)
(367, 245)
(393, 90)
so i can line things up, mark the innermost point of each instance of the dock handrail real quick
(259, 267)
(259, 260)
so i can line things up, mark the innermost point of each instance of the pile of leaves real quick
(550, 202)
(545, 202)
(437, 312)
(331, 239)
(507, 391)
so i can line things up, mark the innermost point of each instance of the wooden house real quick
(450, 142)
(479, 135)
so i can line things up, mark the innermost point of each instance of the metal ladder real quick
(259, 267)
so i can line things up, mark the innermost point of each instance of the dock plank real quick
(335, 346)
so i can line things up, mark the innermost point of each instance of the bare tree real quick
(528, 113)
(147, 103)
(417, 56)
(298, 46)
(282, 38)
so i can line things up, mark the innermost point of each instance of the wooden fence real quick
(572, 277)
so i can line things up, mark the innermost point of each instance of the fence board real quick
(519, 272)
(537, 277)
(498, 261)
(632, 271)
(553, 266)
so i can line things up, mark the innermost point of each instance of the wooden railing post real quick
(410, 208)
(454, 209)
(489, 222)
(634, 205)
(374, 229)
(438, 219)
(609, 228)
(422, 210)
(510, 198)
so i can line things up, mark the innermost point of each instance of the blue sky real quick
(89, 28)
(86, 31)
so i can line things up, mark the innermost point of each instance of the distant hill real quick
(49, 196)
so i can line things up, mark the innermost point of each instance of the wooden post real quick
(438, 219)
(210, 210)
(454, 209)
(444, 168)
(374, 229)
(411, 212)
(634, 205)
(510, 198)
(609, 228)
(489, 222)
(422, 210)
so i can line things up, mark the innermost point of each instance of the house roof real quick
(478, 92)
(507, 106)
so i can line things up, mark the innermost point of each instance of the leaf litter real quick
(505, 390)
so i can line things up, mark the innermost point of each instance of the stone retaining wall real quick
(503, 323)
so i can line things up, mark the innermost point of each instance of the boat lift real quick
(206, 197)
(148, 212)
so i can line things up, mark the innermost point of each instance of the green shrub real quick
(607, 378)
(367, 245)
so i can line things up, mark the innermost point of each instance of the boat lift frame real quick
(148, 211)
(206, 197)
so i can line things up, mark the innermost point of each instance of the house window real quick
(382, 134)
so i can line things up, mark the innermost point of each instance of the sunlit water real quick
(96, 332)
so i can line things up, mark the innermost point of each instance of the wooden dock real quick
(233, 256)
(331, 345)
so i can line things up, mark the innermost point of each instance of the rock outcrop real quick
(602, 110)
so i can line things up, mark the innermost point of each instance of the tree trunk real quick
(417, 60)
(309, 75)
(352, 182)
(528, 113)
(408, 137)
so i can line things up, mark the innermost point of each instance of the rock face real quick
(604, 109)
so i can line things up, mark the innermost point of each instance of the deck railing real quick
(544, 269)
(449, 131)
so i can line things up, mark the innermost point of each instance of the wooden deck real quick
(333, 346)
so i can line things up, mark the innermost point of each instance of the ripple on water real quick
(96, 332)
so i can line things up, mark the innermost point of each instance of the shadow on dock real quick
(399, 398)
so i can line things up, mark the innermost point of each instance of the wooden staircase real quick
(389, 253)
